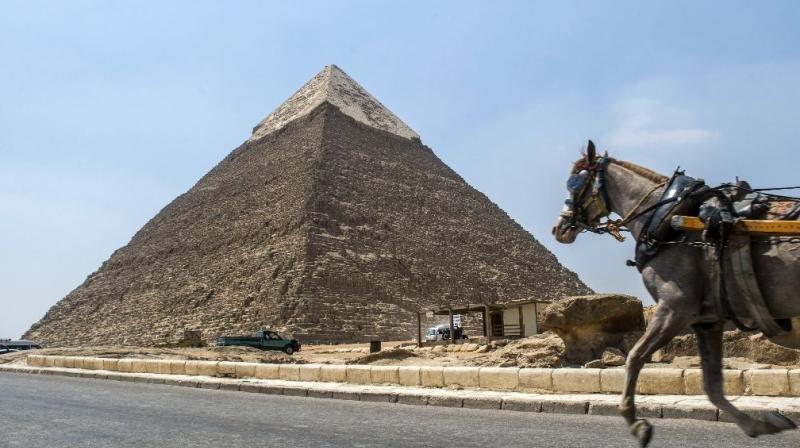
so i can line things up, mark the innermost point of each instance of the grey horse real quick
(680, 278)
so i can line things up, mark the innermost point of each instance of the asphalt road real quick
(44, 411)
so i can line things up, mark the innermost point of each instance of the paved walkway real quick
(650, 406)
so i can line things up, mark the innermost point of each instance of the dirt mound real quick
(384, 357)
(541, 350)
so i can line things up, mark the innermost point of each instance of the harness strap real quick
(747, 284)
(722, 291)
(631, 215)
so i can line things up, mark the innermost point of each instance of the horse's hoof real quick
(771, 423)
(779, 422)
(643, 431)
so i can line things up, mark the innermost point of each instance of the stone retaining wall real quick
(768, 382)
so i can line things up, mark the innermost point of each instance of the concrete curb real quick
(652, 381)
(663, 406)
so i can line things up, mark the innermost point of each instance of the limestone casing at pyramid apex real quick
(334, 86)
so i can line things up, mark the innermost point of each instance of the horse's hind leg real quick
(709, 343)
(666, 323)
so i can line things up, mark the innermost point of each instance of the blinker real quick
(576, 182)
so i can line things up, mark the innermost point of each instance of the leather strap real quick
(749, 293)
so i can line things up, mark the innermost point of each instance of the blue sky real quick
(110, 109)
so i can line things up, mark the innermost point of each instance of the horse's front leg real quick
(667, 321)
(709, 343)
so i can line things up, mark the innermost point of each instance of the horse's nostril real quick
(554, 230)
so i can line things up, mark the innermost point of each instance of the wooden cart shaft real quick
(759, 227)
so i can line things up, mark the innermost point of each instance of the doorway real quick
(496, 320)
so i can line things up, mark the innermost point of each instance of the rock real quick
(662, 356)
(541, 350)
(613, 356)
(590, 324)
(596, 364)
(686, 362)
(753, 347)
(482, 349)
(758, 366)
(438, 349)
(790, 339)
(630, 339)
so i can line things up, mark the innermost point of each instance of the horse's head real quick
(586, 203)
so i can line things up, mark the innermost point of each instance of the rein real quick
(614, 227)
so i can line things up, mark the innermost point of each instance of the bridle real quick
(588, 202)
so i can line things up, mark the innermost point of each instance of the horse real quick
(679, 277)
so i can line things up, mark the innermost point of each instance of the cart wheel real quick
(288, 350)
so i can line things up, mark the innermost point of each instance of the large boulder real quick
(589, 324)
(754, 347)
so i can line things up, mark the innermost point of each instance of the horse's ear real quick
(590, 152)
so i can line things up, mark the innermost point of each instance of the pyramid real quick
(332, 223)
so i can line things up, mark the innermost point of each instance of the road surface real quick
(47, 411)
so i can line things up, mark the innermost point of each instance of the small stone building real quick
(511, 320)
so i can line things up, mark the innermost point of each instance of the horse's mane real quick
(640, 170)
(647, 173)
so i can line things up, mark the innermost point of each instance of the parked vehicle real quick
(4, 349)
(22, 344)
(437, 333)
(442, 333)
(264, 339)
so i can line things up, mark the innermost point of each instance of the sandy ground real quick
(393, 353)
